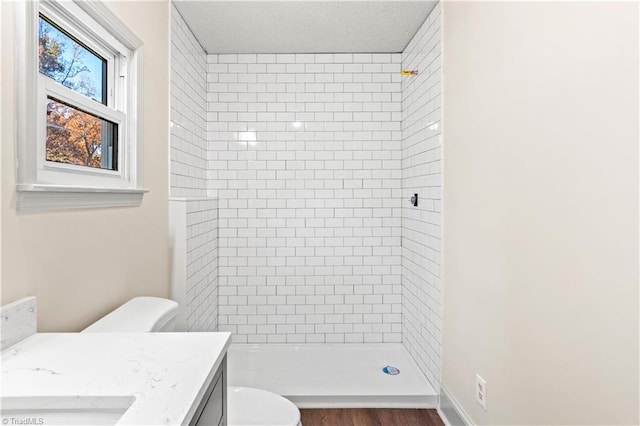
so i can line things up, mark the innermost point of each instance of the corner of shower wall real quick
(422, 174)
(193, 218)
(188, 147)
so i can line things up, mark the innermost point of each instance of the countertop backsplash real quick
(18, 321)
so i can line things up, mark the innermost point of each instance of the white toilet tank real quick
(138, 315)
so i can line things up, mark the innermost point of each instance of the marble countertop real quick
(167, 373)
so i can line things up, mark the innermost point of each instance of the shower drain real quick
(392, 371)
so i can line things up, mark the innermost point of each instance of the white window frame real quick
(46, 185)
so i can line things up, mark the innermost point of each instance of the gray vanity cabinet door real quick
(212, 410)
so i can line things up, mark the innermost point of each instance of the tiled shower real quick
(297, 171)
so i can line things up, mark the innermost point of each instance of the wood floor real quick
(369, 417)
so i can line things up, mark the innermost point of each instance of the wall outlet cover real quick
(481, 392)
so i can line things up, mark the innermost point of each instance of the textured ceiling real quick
(309, 26)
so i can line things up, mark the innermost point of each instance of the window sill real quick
(36, 197)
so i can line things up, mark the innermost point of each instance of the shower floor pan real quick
(332, 375)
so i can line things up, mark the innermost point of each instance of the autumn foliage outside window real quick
(73, 135)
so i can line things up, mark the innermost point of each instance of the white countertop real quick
(167, 373)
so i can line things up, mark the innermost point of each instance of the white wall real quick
(188, 111)
(541, 204)
(304, 156)
(57, 256)
(422, 174)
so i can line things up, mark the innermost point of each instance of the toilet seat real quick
(256, 407)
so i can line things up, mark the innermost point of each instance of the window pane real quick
(70, 63)
(77, 137)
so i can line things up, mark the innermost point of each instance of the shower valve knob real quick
(414, 200)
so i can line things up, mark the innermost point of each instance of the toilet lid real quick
(256, 407)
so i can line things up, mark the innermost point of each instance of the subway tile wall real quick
(305, 158)
(194, 267)
(422, 174)
(194, 219)
(188, 112)
(202, 264)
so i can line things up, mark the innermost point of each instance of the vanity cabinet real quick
(212, 410)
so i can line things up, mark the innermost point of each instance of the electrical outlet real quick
(481, 392)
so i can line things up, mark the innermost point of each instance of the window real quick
(68, 62)
(79, 125)
(80, 138)
(75, 136)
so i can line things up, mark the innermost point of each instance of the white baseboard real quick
(451, 411)
(371, 401)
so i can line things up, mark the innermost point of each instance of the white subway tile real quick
(303, 149)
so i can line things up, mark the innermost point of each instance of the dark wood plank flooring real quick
(369, 417)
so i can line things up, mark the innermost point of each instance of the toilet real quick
(245, 406)
(138, 315)
(257, 407)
